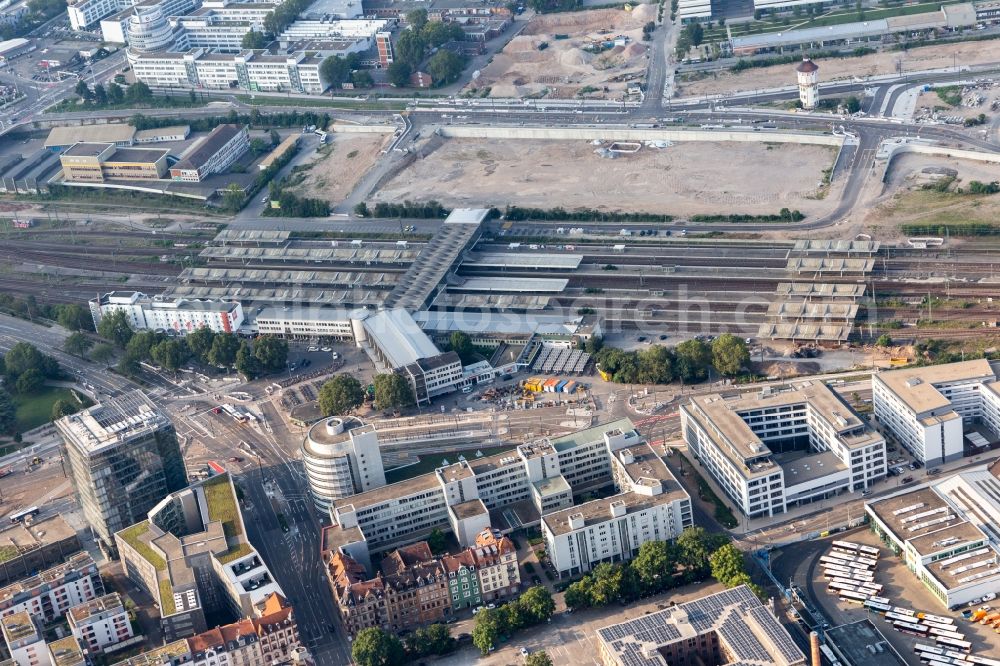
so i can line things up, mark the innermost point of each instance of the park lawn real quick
(36, 409)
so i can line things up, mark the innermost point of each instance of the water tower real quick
(808, 76)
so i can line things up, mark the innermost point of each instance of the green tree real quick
(259, 145)
(884, 340)
(233, 197)
(693, 358)
(271, 352)
(61, 408)
(486, 633)
(73, 317)
(115, 93)
(246, 364)
(416, 19)
(199, 342)
(726, 564)
(100, 95)
(539, 658)
(82, 91)
(21, 358)
(578, 594)
(461, 344)
(362, 78)
(433, 640)
(656, 365)
(392, 391)
(695, 546)
(437, 541)
(729, 354)
(445, 67)
(374, 647)
(138, 92)
(437, 33)
(410, 48)
(102, 353)
(335, 70)
(538, 604)
(29, 381)
(340, 395)
(653, 565)
(140, 346)
(361, 209)
(399, 73)
(168, 354)
(607, 587)
(8, 412)
(853, 104)
(77, 344)
(254, 40)
(223, 351)
(695, 33)
(115, 328)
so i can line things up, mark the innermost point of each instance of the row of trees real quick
(235, 197)
(291, 204)
(517, 213)
(136, 94)
(660, 566)
(264, 355)
(533, 607)
(784, 215)
(344, 393)
(338, 70)
(375, 647)
(690, 361)
(425, 210)
(255, 119)
(71, 316)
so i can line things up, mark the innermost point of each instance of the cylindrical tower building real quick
(808, 78)
(341, 458)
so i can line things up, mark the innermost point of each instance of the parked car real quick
(524, 652)
(907, 479)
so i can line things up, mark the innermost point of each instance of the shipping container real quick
(569, 387)
(560, 386)
(550, 385)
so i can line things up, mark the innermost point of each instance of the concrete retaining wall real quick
(347, 128)
(635, 134)
(940, 151)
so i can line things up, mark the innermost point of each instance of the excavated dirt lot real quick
(682, 179)
(922, 58)
(338, 167)
(564, 68)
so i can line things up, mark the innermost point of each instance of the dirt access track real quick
(563, 68)
(941, 56)
(682, 179)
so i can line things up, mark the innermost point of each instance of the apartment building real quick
(416, 587)
(496, 563)
(36, 545)
(212, 565)
(100, 623)
(467, 497)
(773, 449)
(67, 652)
(946, 532)
(463, 580)
(177, 315)
(51, 593)
(23, 635)
(99, 162)
(650, 506)
(928, 409)
(111, 445)
(246, 70)
(214, 154)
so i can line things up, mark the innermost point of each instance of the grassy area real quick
(927, 212)
(36, 409)
(165, 102)
(167, 605)
(131, 536)
(235, 553)
(327, 102)
(950, 95)
(222, 505)
(7, 553)
(431, 461)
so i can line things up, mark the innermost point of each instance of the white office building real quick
(693, 10)
(101, 623)
(247, 70)
(179, 316)
(307, 323)
(650, 506)
(516, 489)
(342, 458)
(947, 533)
(927, 409)
(776, 448)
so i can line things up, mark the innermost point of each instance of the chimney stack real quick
(814, 648)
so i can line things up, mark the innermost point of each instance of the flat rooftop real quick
(556, 485)
(515, 284)
(387, 493)
(17, 626)
(112, 422)
(143, 155)
(86, 149)
(852, 642)
(66, 652)
(398, 336)
(204, 150)
(915, 387)
(158, 656)
(52, 575)
(802, 467)
(593, 434)
(542, 261)
(599, 510)
(907, 515)
(455, 472)
(321, 434)
(469, 509)
(46, 530)
(111, 133)
(744, 626)
(88, 609)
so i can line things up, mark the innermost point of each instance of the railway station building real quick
(776, 448)
(947, 533)
(928, 409)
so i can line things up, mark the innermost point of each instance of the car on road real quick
(313, 349)
(907, 479)
(335, 356)
(932, 472)
(491, 606)
(235, 459)
(663, 337)
(475, 611)
(866, 493)
(326, 349)
(641, 338)
(524, 652)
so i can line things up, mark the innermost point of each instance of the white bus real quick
(909, 628)
(892, 615)
(945, 633)
(844, 587)
(936, 618)
(903, 611)
(954, 643)
(982, 661)
(851, 547)
(853, 597)
(877, 605)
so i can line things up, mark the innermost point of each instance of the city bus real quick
(237, 415)
(911, 628)
(853, 597)
(938, 625)
(843, 587)
(860, 549)
(954, 643)
(936, 618)
(892, 615)
(945, 633)
(877, 605)
(929, 649)
(836, 572)
(18, 516)
(882, 600)
(982, 661)
(874, 588)
(903, 611)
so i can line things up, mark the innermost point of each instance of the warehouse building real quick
(214, 154)
(928, 409)
(729, 627)
(99, 162)
(177, 316)
(774, 449)
(947, 533)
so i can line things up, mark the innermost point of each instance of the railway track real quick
(76, 261)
